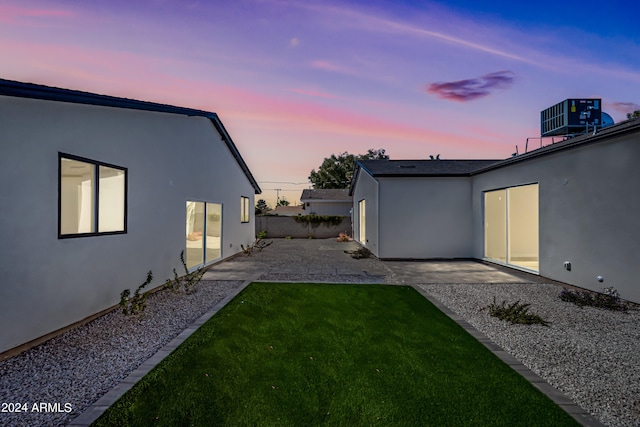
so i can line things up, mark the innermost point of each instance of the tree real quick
(633, 115)
(283, 202)
(262, 207)
(336, 171)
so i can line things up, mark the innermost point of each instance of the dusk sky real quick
(295, 81)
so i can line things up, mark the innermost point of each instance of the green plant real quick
(609, 299)
(259, 244)
(262, 234)
(288, 237)
(316, 220)
(135, 304)
(516, 313)
(187, 281)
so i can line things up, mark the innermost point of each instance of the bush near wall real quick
(303, 226)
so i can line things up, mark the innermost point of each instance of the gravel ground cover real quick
(592, 355)
(81, 365)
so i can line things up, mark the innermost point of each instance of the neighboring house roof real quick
(34, 91)
(388, 168)
(325, 195)
(287, 210)
(443, 168)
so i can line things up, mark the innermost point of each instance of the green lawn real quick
(335, 355)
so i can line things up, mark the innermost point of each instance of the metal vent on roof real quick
(571, 116)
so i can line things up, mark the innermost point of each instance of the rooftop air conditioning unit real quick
(571, 116)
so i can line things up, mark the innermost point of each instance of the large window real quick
(511, 226)
(244, 209)
(92, 197)
(203, 233)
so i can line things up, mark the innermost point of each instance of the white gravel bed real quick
(81, 365)
(590, 354)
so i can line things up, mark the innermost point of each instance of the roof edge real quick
(50, 93)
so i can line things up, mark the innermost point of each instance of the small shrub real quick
(259, 244)
(516, 313)
(288, 237)
(262, 234)
(316, 220)
(187, 281)
(360, 253)
(609, 299)
(135, 304)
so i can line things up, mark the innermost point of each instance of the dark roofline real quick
(613, 131)
(406, 173)
(48, 93)
(617, 130)
(311, 191)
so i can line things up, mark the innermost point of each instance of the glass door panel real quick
(195, 234)
(495, 225)
(214, 232)
(523, 226)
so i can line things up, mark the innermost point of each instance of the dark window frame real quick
(96, 189)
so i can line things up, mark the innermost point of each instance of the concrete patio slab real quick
(455, 271)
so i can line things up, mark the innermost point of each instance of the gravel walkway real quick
(590, 354)
(81, 365)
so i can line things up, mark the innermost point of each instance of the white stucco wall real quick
(48, 283)
(425, 217)
(588, 212)
(366, 188)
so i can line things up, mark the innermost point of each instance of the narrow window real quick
(244, 209)
(362, 220)
(91, 197)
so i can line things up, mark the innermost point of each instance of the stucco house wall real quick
(425, 217)
(366, 188)
(588, 212)
(48, 282)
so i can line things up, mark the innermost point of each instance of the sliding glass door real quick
(204, 230)
(511, 226)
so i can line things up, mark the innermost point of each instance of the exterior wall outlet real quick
(567, 265)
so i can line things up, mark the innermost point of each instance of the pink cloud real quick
(330, 66)
(314, 93)
(149, 78)
(624, 107)
(13, 14)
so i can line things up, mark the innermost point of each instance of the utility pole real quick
(278, 190)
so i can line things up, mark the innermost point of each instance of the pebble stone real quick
(81, 365)
(592, 355)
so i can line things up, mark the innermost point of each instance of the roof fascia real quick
(577, 142)
(48, 93)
